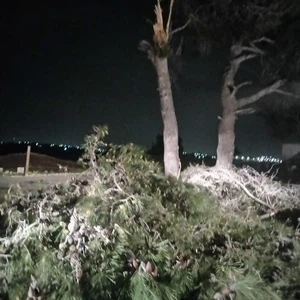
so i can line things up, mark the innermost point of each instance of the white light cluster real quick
(200, 155)
(197, 155)
(241, 157)
(259, 159)
(66, 147)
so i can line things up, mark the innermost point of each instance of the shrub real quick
(130, 233)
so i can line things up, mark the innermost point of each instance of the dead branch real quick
(268, 90)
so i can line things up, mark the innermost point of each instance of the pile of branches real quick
(130, 233)
(240, 188)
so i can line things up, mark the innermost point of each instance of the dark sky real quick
(68, 66)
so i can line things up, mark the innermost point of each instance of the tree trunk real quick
(170, 127)
(226, 140)
(231, 106)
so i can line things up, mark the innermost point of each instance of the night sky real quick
(68, 66)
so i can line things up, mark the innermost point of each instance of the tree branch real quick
(287, 94)
(253, 49)
(169, 18)
(268, 90)
(179, 48)
(263, 39)
(238, 60)
(179, 29)
(243, 84)
(239, 86)
(146, 47)
(245, 111)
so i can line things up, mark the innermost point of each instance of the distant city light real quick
(197, 155)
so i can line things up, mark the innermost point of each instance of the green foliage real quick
(131, 233)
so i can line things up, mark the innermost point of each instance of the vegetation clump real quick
(244, 189)
(125, 231)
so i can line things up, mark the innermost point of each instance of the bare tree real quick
(245, 24)
(158, 54)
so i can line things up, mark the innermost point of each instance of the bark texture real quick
(170, 127)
